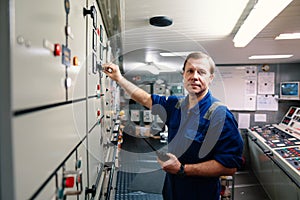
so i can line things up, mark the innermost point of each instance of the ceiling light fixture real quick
(288, 36)
(270, 56)
(262, 14)
(175, 54)
(216, 24)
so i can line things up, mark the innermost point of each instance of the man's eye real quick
(202, 72)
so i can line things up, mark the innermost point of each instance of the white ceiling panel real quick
(197, 25)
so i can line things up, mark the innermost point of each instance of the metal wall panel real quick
(41, 142)
(55, 127)
(38, 75)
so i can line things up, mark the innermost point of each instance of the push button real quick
(69, 181)
(75, 61)
(57, 50)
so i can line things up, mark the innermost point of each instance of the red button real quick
(69, 182)
(98, 113)
(98, 87)
(57, 49)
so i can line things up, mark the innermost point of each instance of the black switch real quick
(93, 13)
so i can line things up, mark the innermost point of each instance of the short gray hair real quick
(200, 55)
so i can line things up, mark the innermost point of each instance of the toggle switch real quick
(98, 91)
(68, 32)
(60, 193)
(78, 163)
(98, 117)
(93, 13)
(67, 6)
(68, 82)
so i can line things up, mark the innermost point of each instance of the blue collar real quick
(183, 104)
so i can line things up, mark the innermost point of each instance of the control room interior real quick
(68, 131)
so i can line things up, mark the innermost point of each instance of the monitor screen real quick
(290, 89)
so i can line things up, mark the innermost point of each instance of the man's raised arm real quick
(136, 93)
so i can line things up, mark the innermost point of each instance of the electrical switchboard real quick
(65, 108)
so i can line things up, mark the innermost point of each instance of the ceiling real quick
(190, 32)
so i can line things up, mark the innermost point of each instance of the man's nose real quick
(195, 75)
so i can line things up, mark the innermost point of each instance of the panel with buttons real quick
(281, 142)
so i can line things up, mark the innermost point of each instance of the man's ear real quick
(211, 78)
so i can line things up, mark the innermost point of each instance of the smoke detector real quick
(160, 21)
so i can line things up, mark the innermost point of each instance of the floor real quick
(139, 177)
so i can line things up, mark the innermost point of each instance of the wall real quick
(283, 72)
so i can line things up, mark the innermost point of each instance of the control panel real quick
(282, 140)
(291, 121)
(276, 138)
(291, 155)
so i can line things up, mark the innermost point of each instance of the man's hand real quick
(113, 71)
(136, 93)
(172, 165)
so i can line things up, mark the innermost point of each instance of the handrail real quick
(95, 186)
(112, 171)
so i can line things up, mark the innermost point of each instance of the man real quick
(203, 139)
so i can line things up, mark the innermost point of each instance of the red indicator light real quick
(98, 113)
(98, 31)
(57, 49)
(69, 181)
(79, 179)
(98, 87)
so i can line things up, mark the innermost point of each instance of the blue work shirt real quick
(208, 131)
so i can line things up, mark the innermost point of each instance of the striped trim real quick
(211, 109)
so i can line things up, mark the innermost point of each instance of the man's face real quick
(197, 76)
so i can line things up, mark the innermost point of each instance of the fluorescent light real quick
(173, 54)
(225, 15)
(288, 36)
(270, 56)
(149, 58)
(262, 14)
